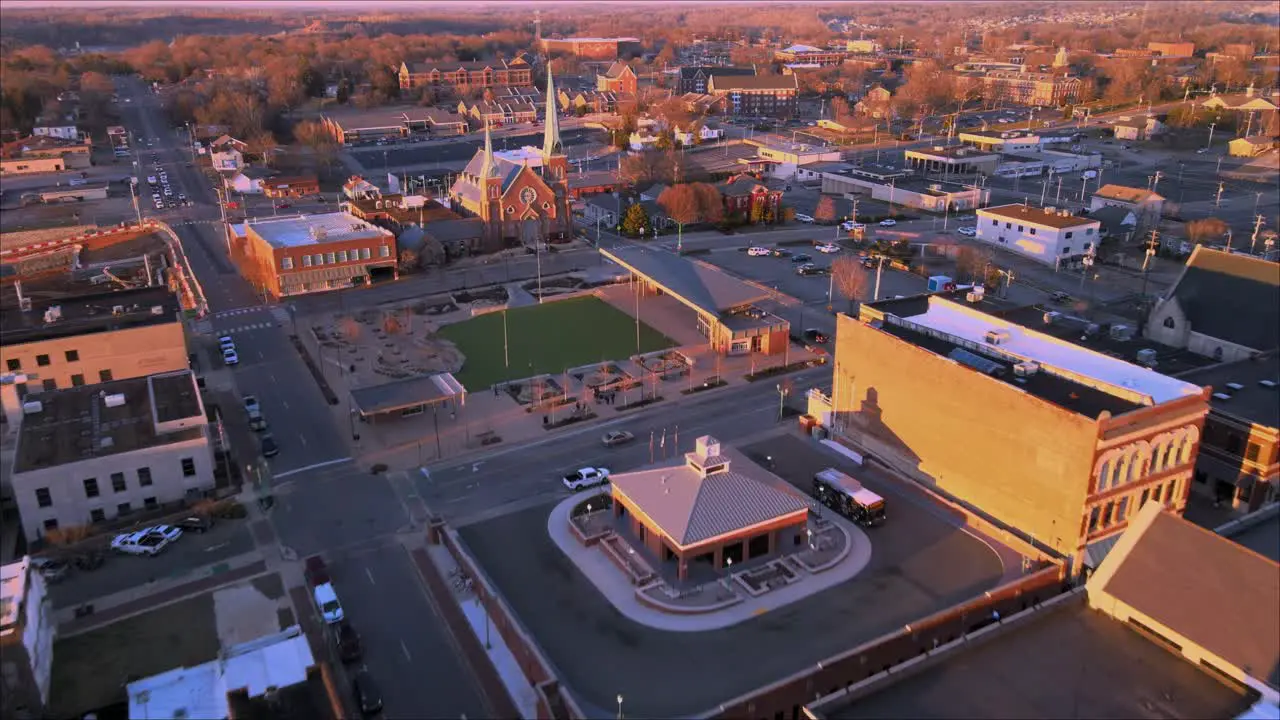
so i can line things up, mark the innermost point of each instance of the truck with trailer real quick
(848, 497)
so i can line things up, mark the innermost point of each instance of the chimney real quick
(1248, 92)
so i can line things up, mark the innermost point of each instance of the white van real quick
(806, 219)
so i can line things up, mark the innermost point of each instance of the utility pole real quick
(875, 296)
(1057, 196)
(1211, 126)
(1257, 226)
(1155, 180)
(1217, 200)
(1146, 259)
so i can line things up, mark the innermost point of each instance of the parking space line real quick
(405, 649)
(369, 573)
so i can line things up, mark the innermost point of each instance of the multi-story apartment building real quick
(1030, 88)
(91, 339)
(311, 253)
(27, 631)
(1239, 460)
(464, 76)
(1048, 235)
(693, 79)
(1052, 440)
(91, 454)
(757, 95)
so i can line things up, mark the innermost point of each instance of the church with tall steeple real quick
(521, 195)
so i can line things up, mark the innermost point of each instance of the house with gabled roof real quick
(1224, 306)
(619, 78)
(1146, 204)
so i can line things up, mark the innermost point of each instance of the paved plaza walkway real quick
(617, 588)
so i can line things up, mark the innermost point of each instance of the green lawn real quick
(90, 670)
(547, 338)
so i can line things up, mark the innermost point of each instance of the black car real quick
(781, 252)
(269, 446)
(368, 696)
(802, 258)
(814, 335)
(195, 523)
(347, 640)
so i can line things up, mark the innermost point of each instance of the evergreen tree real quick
(636, 220)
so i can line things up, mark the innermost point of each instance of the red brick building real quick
(618, 79)
(1059, 443)
(465, 76)
(291, 187)
(592, 48)
(747, 197)
(309, 253)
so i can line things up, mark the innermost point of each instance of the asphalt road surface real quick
(920, 564)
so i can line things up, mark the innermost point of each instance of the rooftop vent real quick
(1051, 209)
(53, 314)
(1221, 396)
(117, 310)
(114, 400)
(1121, 332)
(1026, 369)
(32, 407)
(1235, 387)
(106, 442)
(1147, 357)
(996, 337)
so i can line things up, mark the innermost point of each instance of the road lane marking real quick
(405, 649)
(285, 403)
(303, 438)
(369, 573)
(315, 466)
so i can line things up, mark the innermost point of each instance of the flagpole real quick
(506, 356)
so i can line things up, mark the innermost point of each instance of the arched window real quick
(1169, 323)
(1104, 473)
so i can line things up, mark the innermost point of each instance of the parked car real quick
(195, 523)
(141, 542)
(322, 589)
(347, 641)
(806, 219)
(614, 438)
(781, 252)
(269, 446)
(808, 269)
(52, 571)
(758, 251)
(814, 335)
(257, 422)
(226, 342)
(586, 478)
(967, 231)
(888, 222)
(230, 357)
(368, 696)
(828, 248)
(251, 404)
(168, 532)
(1060, 297)
(282, 206)
(801, 258)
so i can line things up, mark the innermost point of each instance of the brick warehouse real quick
(1055, 441)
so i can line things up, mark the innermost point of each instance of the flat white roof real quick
(1066, 358)
(299, 230)
(279, 660)
(527, 155)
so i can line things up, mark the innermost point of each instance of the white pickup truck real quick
(322, 590)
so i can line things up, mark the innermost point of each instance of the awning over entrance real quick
(698, 285)
(407, 394)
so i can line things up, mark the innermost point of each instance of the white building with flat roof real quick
(27, 632)
(1048, 235)
(99, 452)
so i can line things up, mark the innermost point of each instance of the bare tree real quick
(681, 203)
(971, 264)
(314, 135)
(1210, 228)
(849, 278)
(264, 145)
(826, 211)
(349, 328)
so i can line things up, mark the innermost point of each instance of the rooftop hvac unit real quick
(1121, 332)
(106, 442)
(32, 407)
(1026, 369)
(117, 310)
(114, 400)
(1147, 357)
(1234, 387)
(1051, 209)
(1051, 317)
(973, 296)
(1268, 384)
(996, 337)
(157, 309)
(1221, 396)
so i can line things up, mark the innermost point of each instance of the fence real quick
(553, 700)
(882, 654)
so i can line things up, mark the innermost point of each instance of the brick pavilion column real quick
(718, 557)
(683, 566)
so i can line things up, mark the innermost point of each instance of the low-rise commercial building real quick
(903, 189)
(1000, 141)
(707, 512)
(27, 632)
(757, 95)
(953, 160)
(935, 388)
(1137, 128)
(592, 48)
(788, 157)
(809, 55)
(90, 339)
(1145, 204)
(1048, 235)
(90, 454)
(1251, 146)
(312, 253)
(1239, 461)
(361, 125)
(272, 676)
(44, 153)
(1172, 49)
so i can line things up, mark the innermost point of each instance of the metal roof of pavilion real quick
(698, 284)
(407, 393)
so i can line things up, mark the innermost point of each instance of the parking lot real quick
(227, 539)
(779, 273)
(920, 563)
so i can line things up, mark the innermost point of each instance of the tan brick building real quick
(1056, 441)
(92, 339)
